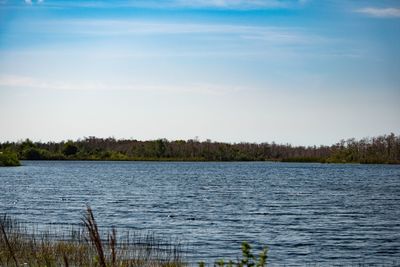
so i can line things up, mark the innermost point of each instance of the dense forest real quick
(381, 149)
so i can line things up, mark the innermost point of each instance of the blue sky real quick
(301, 72)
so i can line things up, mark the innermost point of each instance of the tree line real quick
(380, 149)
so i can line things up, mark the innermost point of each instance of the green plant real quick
(9, 158)
(83, 247)
(248, 258)
(70, 149)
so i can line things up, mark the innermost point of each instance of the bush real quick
(70, 149)
(248, 259)
(33, 153)
(8, 158)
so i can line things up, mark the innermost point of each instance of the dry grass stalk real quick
(83, 247)
(91, 226)
(3, 223)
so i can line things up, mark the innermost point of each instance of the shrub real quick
(8, 158)
(248, 259)
(33, 153)
(70, 149)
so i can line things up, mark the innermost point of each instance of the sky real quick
(303, 72)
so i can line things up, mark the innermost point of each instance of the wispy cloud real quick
(191, 4)
(30, 2)
(389, 12)
(27, 82)
(117, 38)
(106, 28)
(231, 4)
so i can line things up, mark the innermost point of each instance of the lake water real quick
(306, 213)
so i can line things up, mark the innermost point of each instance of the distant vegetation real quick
(381, 149)
(8, 158)
(89, 245)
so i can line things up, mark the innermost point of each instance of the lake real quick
(306, 213)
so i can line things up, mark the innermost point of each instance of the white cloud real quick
(106, 27)
(195, 4)
(30, 2)
(16, 81)
(389, 12)
(230, 4)
(27, 82)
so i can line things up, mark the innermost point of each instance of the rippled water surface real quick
(305, 213)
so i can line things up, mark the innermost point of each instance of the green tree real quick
(33, 153)
(8, 158)
(70, 149)
(159, 148)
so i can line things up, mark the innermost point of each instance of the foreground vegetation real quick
(89, 246)
(381, 149)
(9, 158)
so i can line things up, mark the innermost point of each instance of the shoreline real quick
(383, 149)
(211, 161)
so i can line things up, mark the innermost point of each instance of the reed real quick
(86, 246)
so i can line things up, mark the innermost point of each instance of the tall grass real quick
(85, 246)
